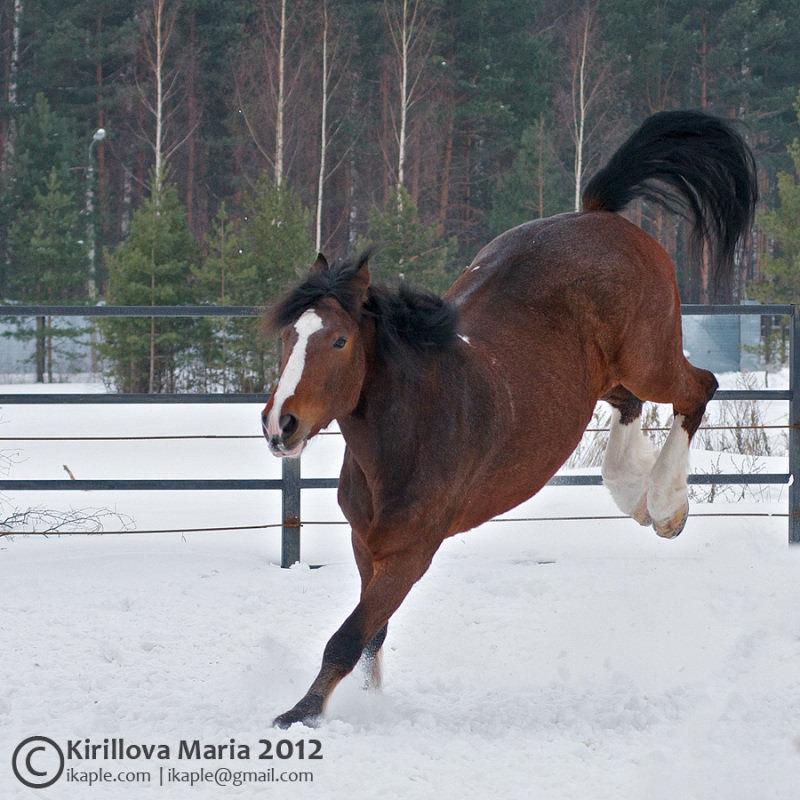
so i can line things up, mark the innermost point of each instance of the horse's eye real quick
(340, 343)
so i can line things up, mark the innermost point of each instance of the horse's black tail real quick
(691, 163)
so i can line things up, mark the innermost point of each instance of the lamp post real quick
(99, 135)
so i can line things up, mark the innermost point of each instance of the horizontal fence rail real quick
(257, 484)
(130, 311)
(292, 483)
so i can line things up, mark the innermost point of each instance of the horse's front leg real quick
(392, 579)
(371, 659)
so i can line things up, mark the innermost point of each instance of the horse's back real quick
(599, 258)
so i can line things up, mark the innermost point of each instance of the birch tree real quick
(8, 143)
(333, 71)
(267, 76)
(281, 106)
(323, 128)
(153, 264)
(160, 88)
(590, 71)
(406, 22)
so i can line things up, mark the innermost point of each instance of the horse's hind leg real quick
(629, 455)
(667, 495)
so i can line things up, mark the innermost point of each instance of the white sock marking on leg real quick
(668, 482)
(628, 461)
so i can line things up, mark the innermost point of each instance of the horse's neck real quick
(385, 419)
(400, 420)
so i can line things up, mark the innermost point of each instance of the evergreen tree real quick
(276, 242)
(43, 148)
(50, 263)
(224, 344)
(495, 58)
(249, 262)
(152, 268)
(50, 266)
(780, 280)
(536, 185)
(406, 249)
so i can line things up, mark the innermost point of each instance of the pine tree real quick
(152, 268)
(405, 248)
(50, 267)
(276, 242)
(249, 261)
(780, 280)
(536, 185)
(43, 144)
(223, 344)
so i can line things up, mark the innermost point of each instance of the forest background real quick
(241, 137)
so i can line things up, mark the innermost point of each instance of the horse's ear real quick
(321, 264)
(361, 277)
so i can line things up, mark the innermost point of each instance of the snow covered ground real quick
(535, 659)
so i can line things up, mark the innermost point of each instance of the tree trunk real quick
(401, 150)
(579, 107)
(158, 36)
(405, 29)
(100, 153)
(387, 134)
(416, 160)
(152, 359)
(9, 144)
(703, 266)
(158, 13)
(191, 99)
(49, 339)
(447, 161)
(323, 128)
(40, 349)
(466, 205)
(279, 112)
(540, 166)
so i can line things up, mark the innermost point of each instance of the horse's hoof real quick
(641, 514)
(670, 528)
(308, 711)
(288, 719)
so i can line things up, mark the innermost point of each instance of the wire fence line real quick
(345, 524)
(258, 436)
(291, 483)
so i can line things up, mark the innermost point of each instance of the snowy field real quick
(576, 660)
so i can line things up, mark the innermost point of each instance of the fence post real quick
(794, 428)
(290, 496)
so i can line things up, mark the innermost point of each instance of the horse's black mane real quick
(408, 321)
(411, 320)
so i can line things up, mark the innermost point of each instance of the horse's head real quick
(324, 361)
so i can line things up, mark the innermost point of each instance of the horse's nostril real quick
(288, 423)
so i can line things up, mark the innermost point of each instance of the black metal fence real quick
(291, 484)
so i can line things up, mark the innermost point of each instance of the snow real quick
(585, 659)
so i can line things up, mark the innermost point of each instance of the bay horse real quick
(456, 409)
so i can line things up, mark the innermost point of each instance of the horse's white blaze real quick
(306, 326)
(668, 482)
(627, 464)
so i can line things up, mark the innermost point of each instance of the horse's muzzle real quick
(279, 441)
